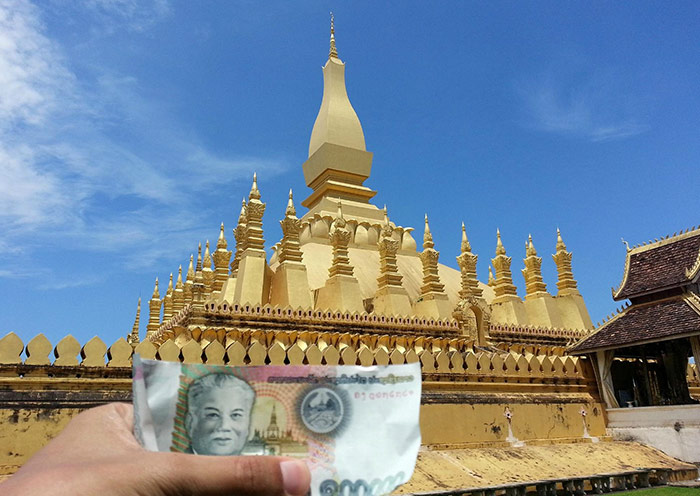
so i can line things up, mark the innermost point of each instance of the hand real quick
(97, 454)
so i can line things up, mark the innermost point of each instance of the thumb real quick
(225, 475)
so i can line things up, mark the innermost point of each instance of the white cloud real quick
(591, 107)
(135, 15)
(106, 169)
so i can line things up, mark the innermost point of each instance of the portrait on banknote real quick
(219, 412)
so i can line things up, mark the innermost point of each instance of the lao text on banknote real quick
(356, 427)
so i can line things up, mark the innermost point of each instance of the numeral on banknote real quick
(360, 487)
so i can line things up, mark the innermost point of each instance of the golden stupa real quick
(345, 257)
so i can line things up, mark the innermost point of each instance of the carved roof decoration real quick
(660, 320)
(665, 263)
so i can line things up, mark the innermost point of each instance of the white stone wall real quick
(675, 430)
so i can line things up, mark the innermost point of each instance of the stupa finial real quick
(156, 294)
(190, 269)
(500, 249)
(427, 235)
(291, 211)
(560, 242)
(254, 192)
(466, 247)
(206, 261)
(334, 51)
(530, 247)
(178, 283)
(133, 338)
(221, 243)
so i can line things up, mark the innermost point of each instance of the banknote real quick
(356, 427)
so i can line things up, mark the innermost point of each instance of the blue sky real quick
(129, 130)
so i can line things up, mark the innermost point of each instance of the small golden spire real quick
(466, 247)
(242, 215)
(207, 257)
(221, 244)
(190, 269)
(530, 247)
(254, 192)
(566, 284)
(492, 280)
(340, 210)
(199, 258)
(427, 235)
(133, 338)
(178, 284)
(500, 249)
(334, 52)
(560, 242)
(386, 216)
(156, 294)
(291, 211)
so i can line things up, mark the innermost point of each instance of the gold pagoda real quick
(345, 267)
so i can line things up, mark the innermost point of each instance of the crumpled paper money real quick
(356, 427)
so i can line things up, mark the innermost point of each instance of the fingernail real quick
(295, 477)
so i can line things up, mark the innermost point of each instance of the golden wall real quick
(465, 392)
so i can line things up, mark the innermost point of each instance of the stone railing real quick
(530, 334)
(235, 315)
(447, 363)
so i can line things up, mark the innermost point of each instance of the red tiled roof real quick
(660, 267)
(642, 323)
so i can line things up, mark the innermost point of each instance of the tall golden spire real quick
(503, 288)
(290, 210)
(199, 258)
(534, 285)
(566, 284)
(339, 236)
(289, 250)
(290, 283)
(133, 338)
(429, 257)
(189, 281)
(254, 192)
(178, 293)
(222, 256)
(389, 275)
(240, 234)
(433, 301)
(467, 265)
(334, 52)
(168, 301)
(154, 311)
(254, 214)
(207, 273)
(427, 235)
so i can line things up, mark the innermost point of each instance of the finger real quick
(225, 475)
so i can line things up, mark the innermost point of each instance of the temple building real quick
(345, 257)
(644, 353)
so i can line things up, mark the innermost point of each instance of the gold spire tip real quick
(334, 51)
(254, 192)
